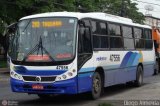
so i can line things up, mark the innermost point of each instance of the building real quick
(152, 21)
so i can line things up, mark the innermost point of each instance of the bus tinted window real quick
(116, 42)
(148, 44)
(147, 34)
(94, 27)
(148, 39)
(87, 22)
(114, 29)
(99, 33)
(100, 41)
(127, 32)
(128, 43)
(103, 29)
(139, 43)
(128, 37)
(138, 33)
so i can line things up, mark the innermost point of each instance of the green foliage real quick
(3, 64)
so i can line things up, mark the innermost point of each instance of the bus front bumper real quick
(61, 87)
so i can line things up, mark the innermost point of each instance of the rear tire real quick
(96, 86)
(139, 77)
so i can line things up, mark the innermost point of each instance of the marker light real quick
(70, 74)
(74, 70)
(64, 76)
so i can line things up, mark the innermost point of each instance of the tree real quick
(122, 7)
(12, 10)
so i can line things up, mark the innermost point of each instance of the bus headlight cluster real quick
(66, 75)
(16, 75)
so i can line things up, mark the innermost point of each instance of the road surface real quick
(149, 91)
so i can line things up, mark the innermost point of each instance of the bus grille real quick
(43, 79)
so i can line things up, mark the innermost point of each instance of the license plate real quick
(37, 87)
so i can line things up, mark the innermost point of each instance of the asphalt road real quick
(115, 95)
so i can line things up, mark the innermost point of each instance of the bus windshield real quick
(44, 40)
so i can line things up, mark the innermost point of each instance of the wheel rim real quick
(97, 85)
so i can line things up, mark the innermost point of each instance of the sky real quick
(156, 9)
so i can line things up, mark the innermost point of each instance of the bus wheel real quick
(96, 86)
(156, 68)
(45, 96)
(139, 77)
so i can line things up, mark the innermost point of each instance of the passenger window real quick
(116, 42)
(114, 30)
(127, 32)
(138, 33)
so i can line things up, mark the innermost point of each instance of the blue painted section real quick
(87, 69)
(111, 67)
(131, 59)
(109, 77)
(23, 71)
(125, 59)
(61, 87)
(85, 82)
(125, 75)
(148, 70)
(136, 60)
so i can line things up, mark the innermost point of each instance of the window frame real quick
(100, 35)
(124, 37)
(119, 36)
(109, 36)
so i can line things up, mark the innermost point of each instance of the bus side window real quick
(84, 40)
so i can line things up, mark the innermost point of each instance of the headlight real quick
(16, 75)
(67, 75)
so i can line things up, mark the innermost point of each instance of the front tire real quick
(139, 77)
(96, 86)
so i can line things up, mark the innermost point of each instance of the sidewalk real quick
(4, 70)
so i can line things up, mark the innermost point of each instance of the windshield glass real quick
(44, 40)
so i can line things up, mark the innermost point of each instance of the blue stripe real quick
(85, 74)
(87, 69)
(113, 67)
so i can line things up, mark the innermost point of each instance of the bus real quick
(71, 53)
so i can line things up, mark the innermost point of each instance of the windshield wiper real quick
(37, 47)
(27, 25)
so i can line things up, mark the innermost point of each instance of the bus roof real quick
(94, 15)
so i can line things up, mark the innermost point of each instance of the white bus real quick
(71, 53)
